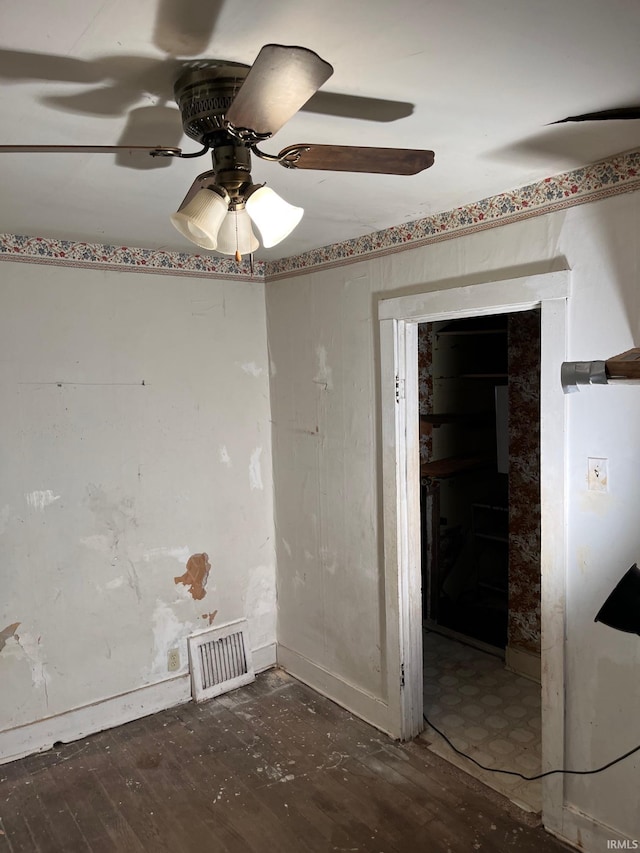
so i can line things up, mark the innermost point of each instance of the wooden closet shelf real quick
(452, 465)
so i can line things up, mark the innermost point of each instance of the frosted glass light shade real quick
(200, 219)
(236, 234)
(274, 217)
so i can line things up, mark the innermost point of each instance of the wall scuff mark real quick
(196, 575)
(6, 633)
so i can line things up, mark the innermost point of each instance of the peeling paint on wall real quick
(196, 575)
(324, 376)
(224, 456)
(39, 500)
(210, 616)
(7, 632)
(255, 471)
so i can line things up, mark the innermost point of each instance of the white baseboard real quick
(264, 658)
(369, 708)
(107, 713)
(586, 833)
(89, 719)
(523, 663)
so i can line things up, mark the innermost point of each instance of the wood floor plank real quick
(227, 791)
(269, 767)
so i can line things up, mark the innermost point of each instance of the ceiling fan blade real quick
(348, 158)
(622, 113)
(185, 27)
(355, 106)
(161, 150)
(281, 80)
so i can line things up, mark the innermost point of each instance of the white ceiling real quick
(484, 79)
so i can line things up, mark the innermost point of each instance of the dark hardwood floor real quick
(270, 767)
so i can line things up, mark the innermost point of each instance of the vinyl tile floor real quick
(486, 711)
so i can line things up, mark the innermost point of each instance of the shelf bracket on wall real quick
(617, 369)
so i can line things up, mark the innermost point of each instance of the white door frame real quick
(399, 318)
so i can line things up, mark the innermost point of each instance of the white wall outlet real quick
(597, 475)
(173, 660)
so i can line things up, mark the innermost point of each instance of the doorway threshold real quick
(430, 625)
(489, 714)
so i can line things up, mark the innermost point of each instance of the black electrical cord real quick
(521, 775)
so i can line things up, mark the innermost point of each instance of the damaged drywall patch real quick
(328, 560)
(210, 616)
(260, 604)
(97, 542)
(7, 632)
(324, 376)
(40, 499)
(255, 470)
(33, 652)
(169, 632)
(181, 553)
(252, 369)
(224, 456)
(196, 575)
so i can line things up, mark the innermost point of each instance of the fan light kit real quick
(230, 109)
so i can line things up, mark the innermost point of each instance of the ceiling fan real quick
(616, 114)
(230, 109)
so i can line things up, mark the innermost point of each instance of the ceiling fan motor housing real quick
(232, 167)
(204, 93)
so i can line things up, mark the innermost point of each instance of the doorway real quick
(399, 320)
(479, 402)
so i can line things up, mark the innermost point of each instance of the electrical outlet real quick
(173, 660)
(597, 476)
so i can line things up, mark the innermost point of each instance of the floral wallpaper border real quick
(41, 250)
(609, 177)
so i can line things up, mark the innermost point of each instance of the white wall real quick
(109, 485)
(322, 331)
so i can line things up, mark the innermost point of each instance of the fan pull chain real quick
(238, 255)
